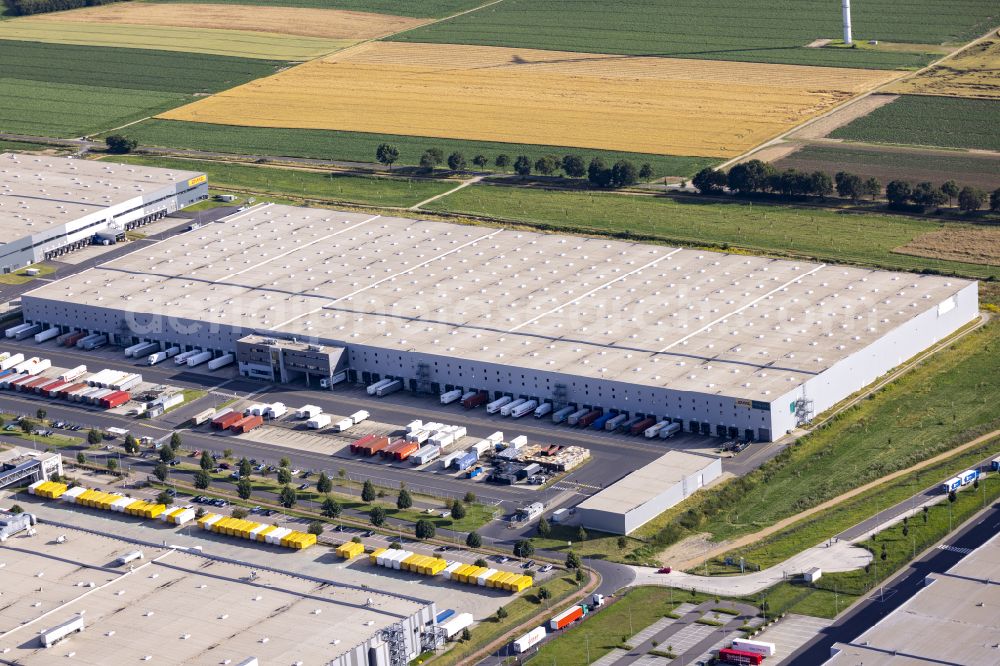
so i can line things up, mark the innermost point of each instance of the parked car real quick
(547, 568)
(664, 570)
(171, 492)
(303, 486)
(529, 564)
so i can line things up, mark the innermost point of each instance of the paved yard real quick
(791, 633)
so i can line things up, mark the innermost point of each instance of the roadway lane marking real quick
(956, 549)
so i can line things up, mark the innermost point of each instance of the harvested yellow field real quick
(652, 105)
(237, 43)
(975, 245)
(973, 73)
(326, 23)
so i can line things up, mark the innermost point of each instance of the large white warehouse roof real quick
(692, 320)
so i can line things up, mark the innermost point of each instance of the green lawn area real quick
(639, 608)
(21, 146)
(71, 90)
(823, 234)
(476, 516)
(524, 607)
(597, 545)
(40, 443)
(333, 187)
(925, 120)
(948, 399)
(814, 530)
(754, 30)
(415, 8)
(360, 146)
(19, 277)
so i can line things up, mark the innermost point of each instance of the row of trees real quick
(757, 177)
(621, 174)
(28, 7)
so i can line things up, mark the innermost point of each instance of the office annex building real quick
(53, 205)
(730, 345)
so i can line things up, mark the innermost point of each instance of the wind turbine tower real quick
(846, 6)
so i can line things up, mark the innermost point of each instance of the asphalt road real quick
(879, 603)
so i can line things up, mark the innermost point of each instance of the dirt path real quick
(782, 524)
(845, 114)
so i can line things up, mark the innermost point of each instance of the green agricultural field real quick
(415, 8)
(137, 69)
(21, 146)
(810, 232)
(360, 147)
(65, 110)
(890, 163)
(70, 90)
(947, 400)
(923, 120)
(308, 184)
(770, 31)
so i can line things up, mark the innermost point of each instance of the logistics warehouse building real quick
(728, 345)
(53, 205)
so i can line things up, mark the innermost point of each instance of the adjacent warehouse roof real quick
(747, 327)
(647, 483)
(953, 619)
(175, 607)
(38, 191)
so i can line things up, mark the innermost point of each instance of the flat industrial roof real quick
(691, 320)
(645, 483)
(176, 607)
(39, 191)
(952, 620)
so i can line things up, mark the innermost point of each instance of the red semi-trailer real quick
(66, 390)
(642, 425)
(566, 618)
(116, 399)
(247, 423)
(405, 451)
(358, 444)
(374, 446)
(730, 656)
(226, 420)
(476, 400)
(589, 418)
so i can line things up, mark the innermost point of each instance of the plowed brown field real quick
(329, 23)
(976, 245)
(641, 104)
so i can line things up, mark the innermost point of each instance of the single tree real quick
(245, 468)
(94, 437)
(523, 548)
(27, 425)
(287, 497)
(466, 634)
(161, 471)
(885, 553)
(175, 441)
(849, 185)
(579, 575)
(624, 174)
(456, 161)
(387, 154)
(646, 172)
(544, 594)
(820, 184)
(622, 542)
(971, 199)
(898, 193)
(572, 560)
(906, 530)
(598, 173)
(315, 527)
(952, 496)
(709, 181)
(403, 500)
(40, 414)
(227, 453)
(502, 162)
(581, 534)
(926, 195)
(470, 497)
(206, 462)
(377, 516)
(284, 475)
(112, 465)
(501, 614)
(167, 453)
(244, 488)
(457, 510)
(872, 187)
(547, 164)
(573, 166)
(16, 509)
(164, 498)
(427, 162)
(995, 200)
(749, 177)
(424, 529)
(544, 529)
(473, 540)
(284, 462)
(199, 512)
(323, 483)
(202, 479)
(522, 166)
(331, 508)
(131, 444)
(341, 474)
(240, 513)
(436, 154)
(950, 189)
(368, 492)
(80, 458)
(925, 515)
(480, 161)
(480, 562)
(119, 144)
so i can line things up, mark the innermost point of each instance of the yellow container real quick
(264, 532)
(408, 562)
(436, 567)
(492, 580)
(457, 573)
(521, 584)
(373, 556)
